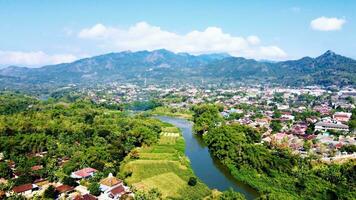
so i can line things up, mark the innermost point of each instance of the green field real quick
(172, 112)
(165, 167)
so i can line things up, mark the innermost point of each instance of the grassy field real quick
(172, 112)
(165, 167)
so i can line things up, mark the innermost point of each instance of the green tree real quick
(5, 170)
(69, 181)
(50, 193)
(276, 126)
(206, 116)
(94, 189)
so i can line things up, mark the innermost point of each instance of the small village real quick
(76, 188)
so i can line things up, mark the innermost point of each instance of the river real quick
(204, 165)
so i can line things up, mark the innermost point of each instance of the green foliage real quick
(278, 97)
(11, 103)
(276, 173)
(16, 197)
(88, 134)
(163, 166)
(348, 148)
(50, 193)
(94, 189)
(152, 194)
(5, 170)
(205, 116)
(143, 105)
(231, 195)
(305, 114)
(276, 126)
(236, 116)
(69, 181)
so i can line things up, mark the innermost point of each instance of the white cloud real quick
(254, 40)
(327, 24)
(143, 36)
(33, 59)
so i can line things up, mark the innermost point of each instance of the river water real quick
(204, 165)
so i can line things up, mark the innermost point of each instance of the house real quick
(109, 182)
(117, 192)
(287, 116)
(65, 189)
(324, 126)
(323, 109)
(299, 129)
(263, 121)
(25, 189)
(342, 116)
(83, 173)
(36, 167)
(41, 182)
(85, 197)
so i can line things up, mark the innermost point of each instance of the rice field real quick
(165, 167)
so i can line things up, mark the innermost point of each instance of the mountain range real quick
(162, 66)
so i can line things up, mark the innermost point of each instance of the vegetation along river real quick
(205, 166)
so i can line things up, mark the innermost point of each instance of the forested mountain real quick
(164, 66)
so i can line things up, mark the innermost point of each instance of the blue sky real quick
(34, 33)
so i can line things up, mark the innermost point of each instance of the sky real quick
(36, 33)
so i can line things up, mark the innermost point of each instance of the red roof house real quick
(83, 173)
(24, 188)
(64, 188)
(36, 167)
(85, 197)
(117, 191)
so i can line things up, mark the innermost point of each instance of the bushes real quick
(69, 181)
(192, 181)
(94, 189)
(50, 193)
(231, 195)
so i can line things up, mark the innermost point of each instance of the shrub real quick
(192, 181)
(94, 189)
(50, 193)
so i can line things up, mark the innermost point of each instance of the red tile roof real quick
(117, 190)
(85, 197)
(22, 188)
(36, 167)
(64, 188)
(85, 172)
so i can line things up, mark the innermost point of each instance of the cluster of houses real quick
(319, 129)
(111, 187)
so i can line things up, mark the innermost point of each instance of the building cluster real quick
(111, 188)
(310, 121)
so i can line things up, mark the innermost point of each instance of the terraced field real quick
(165, 167)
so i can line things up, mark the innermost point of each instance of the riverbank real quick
(163, 166)
(205, 166)
(172, 112)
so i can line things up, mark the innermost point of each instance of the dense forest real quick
(275, 173)
(63, 137)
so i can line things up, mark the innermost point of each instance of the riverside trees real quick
(275, 173)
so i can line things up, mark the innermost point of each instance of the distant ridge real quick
(163, 66)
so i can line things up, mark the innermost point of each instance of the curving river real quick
(205, 166)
